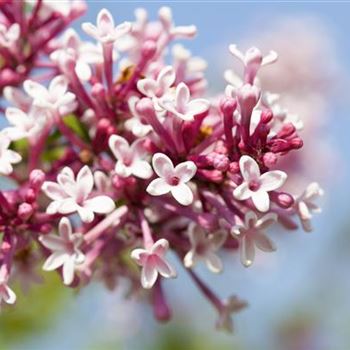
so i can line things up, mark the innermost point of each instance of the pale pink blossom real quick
(305, 206)
(172, 179)
(105, 31)
(153, 262)
(6, 293)
(130, 158)
(72, 195)
(65, 250)
(103, 182)
(18, 98)
(7, 156)
(251, 233)
(256, 185)
(182, 106)
(204, 247)
(9, 36)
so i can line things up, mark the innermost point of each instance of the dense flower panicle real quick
(118, 139)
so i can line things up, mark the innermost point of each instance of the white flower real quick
(6, 293)
(72, 194)
(172, 179)
(257, 186)
(54, 98)
(251, 233)
(305, 205)
(9, 36)
(204, 247)
(182, 106)
(130, 159)
(23, 124)
(105, 32)
(153, 262)
(7, 156)
(65, 250)
(156, 89)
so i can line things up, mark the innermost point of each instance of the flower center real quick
(254, 185)
(174, 181)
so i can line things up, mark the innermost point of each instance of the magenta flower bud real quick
(253, 57)
(145, 107)
(269, 159)
(161, 308)
(234, 168)
(30, 195)
(282, 199)
(36, 179)
(287, 130)
(248, 96)
(266, 116)
(228, 106)
(148, 49)
(296, 143)
(220, 162)
(25, 211)
(46, 228)
(98, 90)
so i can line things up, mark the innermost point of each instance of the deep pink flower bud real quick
(220, 162)
(247, 96)
(161, 308)
(30, 195)
(287, 130)
(145, 107)
(266, 116)
(228, 106)
(282, 199)
(234, 168)
(98, 90)
(269, 159)
(148, 49)
(46, 228)
(25, 211)
(36, 179)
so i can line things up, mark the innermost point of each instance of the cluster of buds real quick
(111, 157)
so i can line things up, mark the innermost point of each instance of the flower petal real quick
(158, 187)
(249, 168)
(272, 180)
(189, 259)
(68, 270)
(148, 87)
(149, 274)
(197, 106)
(86, 215)
(261, 200)
(10, 296)
(162, 165)
(164, 268)
(182, 97)
(65, 229)
(166, 78)
(182, 193)
(100, 204)
(213, 263)
(119, 146)
(160, 247)
(52, 242)
(142, 169)
(55, 260)
(85, 182)
(185, 171)
(242, 192)
(247, 251)
(250, 219)
(266, 221)
(264, 243)
(53, 190)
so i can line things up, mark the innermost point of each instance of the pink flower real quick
(54, 98)
(153, 262)
(130, 159)
(204, 247)
(156, 89)
(6, 293)
(72, 194)
(65, 250)
(257, 186)
(182, 107)
(7, 156)
(305, 205)
(251, 233)
(105, 32)
(9, 36)
(172, 179)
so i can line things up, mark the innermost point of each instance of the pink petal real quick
(158, 187)
(183, 194)
(85, 182)
(139, 255)
(213, 263)
(182, 97)
(65, 229)
(162, 165)
(185, 171)
(53, 190)
(264, 243)
(52, 242)
(148, 87)
(250, 219)
(55, 260)
(91, 30)
(119, 146)
(149, 274)
(164, 268)
(100, 204)
(272, 180)
(160, 247)
(261, 200)
(247, 251)
(197, 106)
(249, 168)
(266, 221)
(242, 192)
(122, 29)
(166, 78)
(16, 117)
(105, 22)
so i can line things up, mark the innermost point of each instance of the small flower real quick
(105, 32)
(231, 305)
(251, 233)
(153, 262)
(156, 89)
(55, 98)
(172, 179)
(257, 186)
(65, 250)
(305, 205)
(130, 159)
(9, 36)
(6, 293)
(102, 181)
(204, 247)
(72, 194)
(7, 156)
(182, 107)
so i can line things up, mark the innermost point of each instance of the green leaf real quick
(77, 126)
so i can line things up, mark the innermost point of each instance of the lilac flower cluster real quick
(119, 158)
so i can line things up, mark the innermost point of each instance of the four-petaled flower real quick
(305, 205)
(172, 179)
(72, 194)
(204, 247)
(130, 159)
(153, 262)
(65, 250)
(257, 186)
(182, 107)
(105, 31)
(7, 156)
(54, 98)
(251, 233)
(6, 293)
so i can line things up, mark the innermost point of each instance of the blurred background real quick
(299, 297)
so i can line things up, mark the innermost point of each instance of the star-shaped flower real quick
(105, 31)
(65, 250)
(172, 179)
(305, 205)
(251, 234)
(7, 156)
(182, 106)
(204, 247)
(257, 186)
(153, 262)
(72, 194)
(130, 159)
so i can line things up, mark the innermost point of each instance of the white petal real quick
(58, 86)
(67, 206)
(166, 78)
(182, 97)
(35, 90)
(55, 260)
(119, 146)
(53, 190)
(160, 247)
(149, 275)
(52, 242)
(100, 204)
(250, 219)
(213, 262)
(85, 182)
(65, 229)
(242, 192)
(162, 165)
(261, 200)
(272, 180)
(197, 106)
(247, 251)
(266, 221)
(10, 298)
(86, 214)
(16, 117)
(263, 242)
(105, 22)
(185, 171)
(121, 169)
(148, 87)
(158, 187)
(164, 268)
(90, 29)
(83, 70)
(142, 169)
(189, 259)
(182, 193)
(249, 168)
(68, 271)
